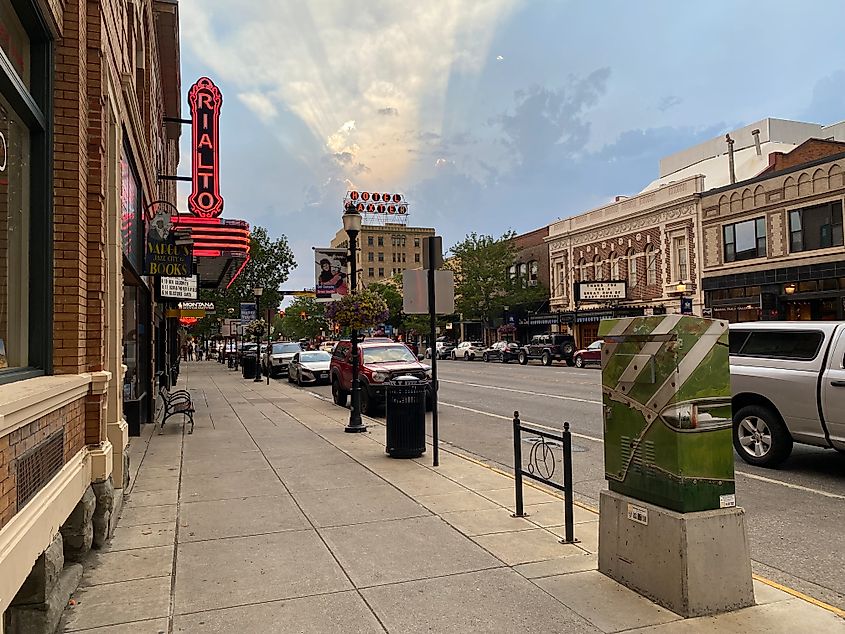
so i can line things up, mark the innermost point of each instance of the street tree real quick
(391, 292)
(304, 319)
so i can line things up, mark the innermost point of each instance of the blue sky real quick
(488, 115)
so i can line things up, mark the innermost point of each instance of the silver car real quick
(309, 367)
(281, 354)
(787, 385)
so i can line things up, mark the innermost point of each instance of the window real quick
(381, 272)
(801, 345)
(679, 258)
(632, 268)
(371, 271)
(745, 240)
(381, 241)
(394, 257)
(533, 270)
(597, 267)
(816, 227)
(582, 270)
(417, 242)
(614, 267)
(650, 265)
(403, 241)
(523, 270)
(381, 256)
(512, 271)
(370, 256)
(416, 257)
(369, 241)
(403, 257)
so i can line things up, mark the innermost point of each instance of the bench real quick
(175, 403)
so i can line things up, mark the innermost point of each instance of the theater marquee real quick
(205, 100)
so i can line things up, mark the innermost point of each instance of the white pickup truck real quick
(788, 385)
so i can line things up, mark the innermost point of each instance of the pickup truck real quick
(787, 385)
(548, 348)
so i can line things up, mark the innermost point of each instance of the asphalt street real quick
(795, 514)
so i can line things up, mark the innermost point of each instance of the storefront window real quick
(130, 342)
(14, 238)
(14, 41)
(131, 232)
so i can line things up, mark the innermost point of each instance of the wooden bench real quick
(175, 403)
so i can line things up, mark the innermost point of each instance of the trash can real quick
(405, 416)
(249, 363)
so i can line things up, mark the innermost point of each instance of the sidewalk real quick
(270, 518)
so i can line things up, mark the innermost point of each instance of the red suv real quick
(379, 361)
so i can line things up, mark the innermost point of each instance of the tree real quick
(271, 261)
(304, 319)
(483, 286)
(392, 295)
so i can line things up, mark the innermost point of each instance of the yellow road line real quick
(774, 584)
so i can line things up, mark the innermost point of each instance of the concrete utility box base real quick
(694, 564)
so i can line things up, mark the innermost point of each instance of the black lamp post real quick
(258, 291)
(352, 226)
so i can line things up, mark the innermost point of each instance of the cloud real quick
(668, 102)
(260, 104)
(827, 104)
(388, 112)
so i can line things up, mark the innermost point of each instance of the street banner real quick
(249, 313)
(330, 273)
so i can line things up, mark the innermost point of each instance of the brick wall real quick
(810, 150)
(71, 417)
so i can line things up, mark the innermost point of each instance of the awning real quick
(221, 248)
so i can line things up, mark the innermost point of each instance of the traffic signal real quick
(303, 315)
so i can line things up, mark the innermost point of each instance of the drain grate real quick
(36, 467)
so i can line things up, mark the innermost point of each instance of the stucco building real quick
(84, 87)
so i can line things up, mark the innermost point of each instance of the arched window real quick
(597, 268)
(632, 268)
(614, 266)
(523, 270)
(651, 265)
(582, 270)
(533, 271)
(512, 271)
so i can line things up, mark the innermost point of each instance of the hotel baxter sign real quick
(205, 100)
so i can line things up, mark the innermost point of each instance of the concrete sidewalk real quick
(269, 518)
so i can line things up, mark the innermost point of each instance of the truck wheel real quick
(522, 358)
(568, 349)
(579, 361)
(338, 395)
(760, 437)
(547, 358)
(367, 405)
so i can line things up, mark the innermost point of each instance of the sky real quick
(488, 115)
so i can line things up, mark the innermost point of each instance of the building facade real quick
(773, 245)
(385, 250)
(84, 87)
(649, 242)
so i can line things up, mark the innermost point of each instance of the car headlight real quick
(380, 377)
(307, 372)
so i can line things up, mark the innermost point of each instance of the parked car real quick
(309, 367)
(379, 361)
(548, 348)
(502, 351)
(787, 385)
(328, 346)
(443, 348)
(589, 355)
(280, 356)
(468, 351)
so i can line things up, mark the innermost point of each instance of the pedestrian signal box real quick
(667, 411)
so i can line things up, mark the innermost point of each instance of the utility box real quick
(667, 411)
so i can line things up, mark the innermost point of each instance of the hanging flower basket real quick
(507, 329)
(364, 309)
(257, 327)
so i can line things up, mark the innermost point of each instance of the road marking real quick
(789, 485)
(800, 595)
(509, 389)
(753, 476)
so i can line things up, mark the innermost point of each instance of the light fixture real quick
(681, 288)
(789, 289)
(258, 291)
(351, 221)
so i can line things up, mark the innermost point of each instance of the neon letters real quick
(205, 100)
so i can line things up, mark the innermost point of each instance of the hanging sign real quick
(205, 100)
(164, 255)
(600, 291)
(179, 287)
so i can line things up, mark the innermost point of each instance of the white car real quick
(468, 351)
(309, 367)
(328, 346)
(280, 356)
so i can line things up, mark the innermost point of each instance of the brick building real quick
(84, 87)
(773, 245)
(532, 265)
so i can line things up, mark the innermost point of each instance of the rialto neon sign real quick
(205, 100)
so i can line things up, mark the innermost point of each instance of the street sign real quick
(415, 292)
(179, 287)
(438, 253)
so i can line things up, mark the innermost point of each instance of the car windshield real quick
(314, 357)
(388, 354)
(595, 345)
(286, 348)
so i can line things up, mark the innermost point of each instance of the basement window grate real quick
(37, 467)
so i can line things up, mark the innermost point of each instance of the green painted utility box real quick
(667, 411)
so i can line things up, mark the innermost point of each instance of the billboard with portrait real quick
(331, 279)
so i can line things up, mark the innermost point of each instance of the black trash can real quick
(249, 363)
(405, 416)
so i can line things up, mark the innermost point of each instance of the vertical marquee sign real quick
(205, 100)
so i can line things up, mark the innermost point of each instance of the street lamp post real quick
(258, 291)
(352, 225)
